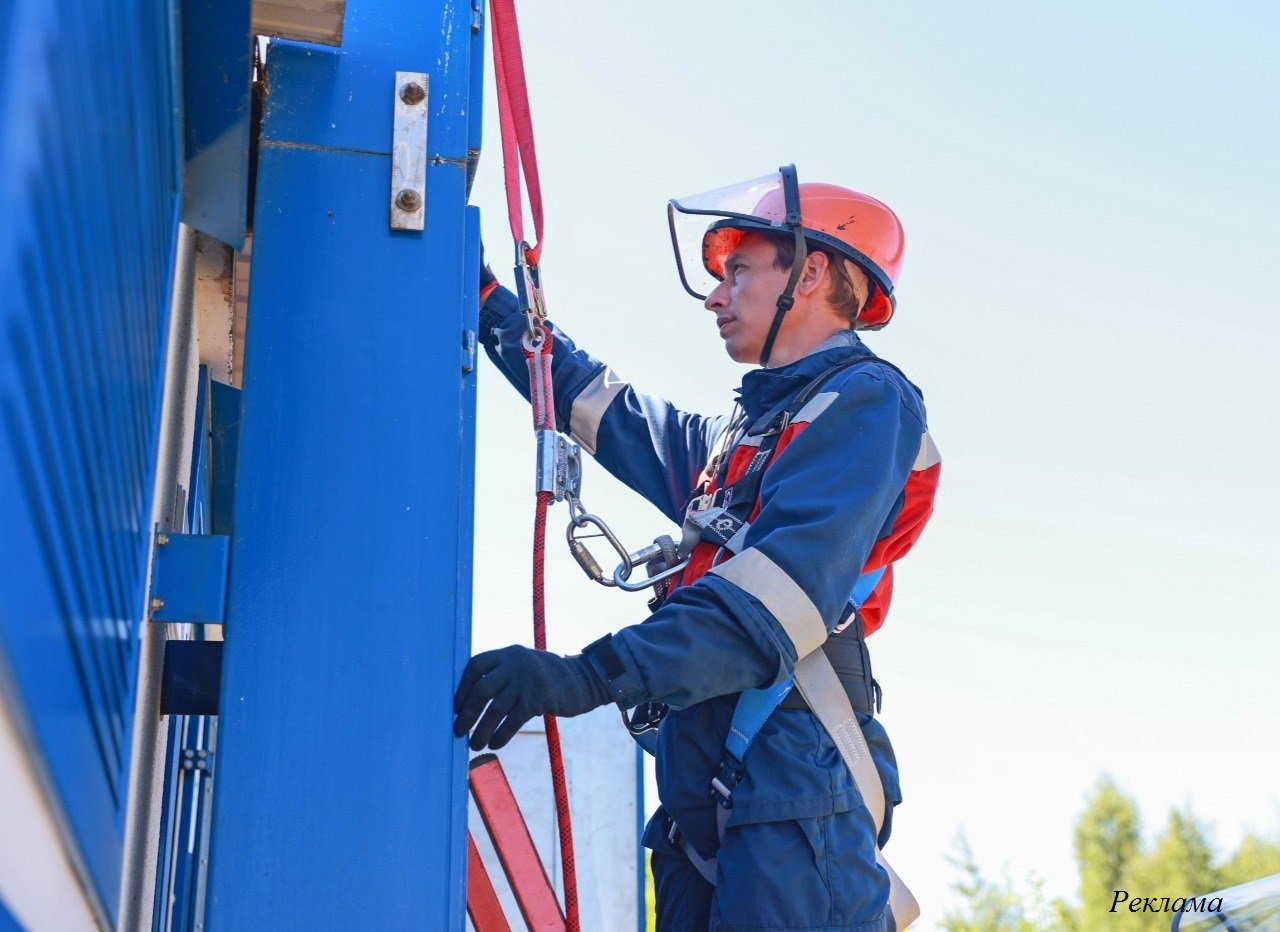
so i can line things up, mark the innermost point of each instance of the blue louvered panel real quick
(89, 177)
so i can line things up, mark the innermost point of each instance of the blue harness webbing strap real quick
(749, 715)
(756, 705)
(865, 585)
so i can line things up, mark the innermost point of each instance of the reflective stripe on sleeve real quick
(757, 575)
(590, 405)
(928, 455)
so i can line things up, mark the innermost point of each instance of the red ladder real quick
(519, 858)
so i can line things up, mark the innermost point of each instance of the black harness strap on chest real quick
(847, 651)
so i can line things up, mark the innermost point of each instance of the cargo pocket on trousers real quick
(773, 875)
(814, 872)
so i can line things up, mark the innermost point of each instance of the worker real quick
(794, 507)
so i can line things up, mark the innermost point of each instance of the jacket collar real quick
(763, 389)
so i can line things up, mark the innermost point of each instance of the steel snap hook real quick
(583, 556)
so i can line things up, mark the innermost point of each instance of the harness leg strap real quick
(707, 867)
(818, 683)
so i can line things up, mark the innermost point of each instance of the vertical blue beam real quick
(341, 791)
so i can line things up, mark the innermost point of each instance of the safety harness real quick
(834, 681)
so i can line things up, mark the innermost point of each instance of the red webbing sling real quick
(518, 156)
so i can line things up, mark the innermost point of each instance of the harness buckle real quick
(673, 833)
(725, 782)
(647, 716)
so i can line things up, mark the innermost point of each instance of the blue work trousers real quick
(793, 874)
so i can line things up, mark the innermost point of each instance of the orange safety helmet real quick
(850, 224)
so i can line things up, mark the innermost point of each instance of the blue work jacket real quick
(837, 490)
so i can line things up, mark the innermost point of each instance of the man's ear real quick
(816, 266)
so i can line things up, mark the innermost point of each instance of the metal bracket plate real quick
(409, 152)
(192, 680)
(189, 578)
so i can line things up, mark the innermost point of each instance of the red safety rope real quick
(518, 155)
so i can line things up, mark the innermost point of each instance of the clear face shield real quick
(707, 227)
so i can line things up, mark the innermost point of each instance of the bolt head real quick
(162, 539)
(408, 200)
(412, 93)
(157, 604)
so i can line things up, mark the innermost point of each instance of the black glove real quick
(519, 683)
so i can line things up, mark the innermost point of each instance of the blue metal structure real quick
(341, 791)
(216, 58)
(7, 922)
(90, 167)
(349, 609)
(182, 858)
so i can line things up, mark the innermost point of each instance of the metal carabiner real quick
(533, 304)
(589, 564)
(622, 573)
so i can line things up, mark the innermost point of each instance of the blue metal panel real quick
(7, 922)
(216, 64)
(441, 718)
(89, 198)
(224, 413)
(342, 98)
(189, 795)
(199, 493)
(642, 856)
(341, 799)
(188, 788)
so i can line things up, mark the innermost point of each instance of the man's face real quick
(746, 301)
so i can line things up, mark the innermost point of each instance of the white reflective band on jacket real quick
(820, 685)
(756, 574)
(590, 405)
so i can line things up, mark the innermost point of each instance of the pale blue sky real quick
(1088, 302)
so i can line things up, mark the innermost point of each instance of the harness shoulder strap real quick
(741, 496)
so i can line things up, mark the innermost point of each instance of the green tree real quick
(1179, 865)
(1107, 840)
(1256, 856)
(988, 907)
(1110, 856)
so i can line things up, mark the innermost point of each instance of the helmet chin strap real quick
(791, 193)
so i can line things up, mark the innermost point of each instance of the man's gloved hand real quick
(519, 683)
